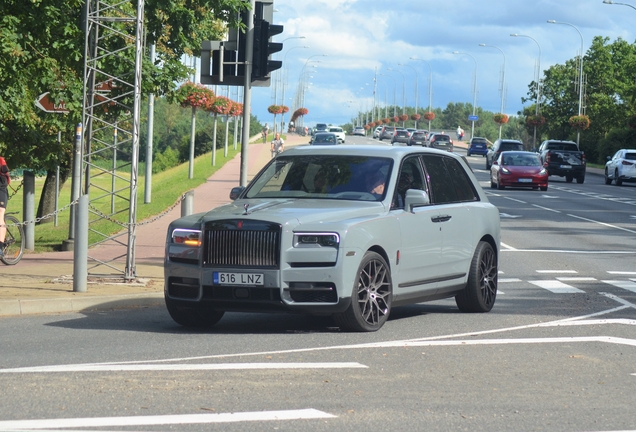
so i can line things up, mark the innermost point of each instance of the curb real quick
(79, 304)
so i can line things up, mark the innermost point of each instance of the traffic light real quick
(264, 48)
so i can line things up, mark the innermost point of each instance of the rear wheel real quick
(14, 241)
(569, 178)
(195, 317)
(580, 179)
(371, 298)
(544, 188)
(481, 289)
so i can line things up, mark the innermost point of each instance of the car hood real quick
(296, 211)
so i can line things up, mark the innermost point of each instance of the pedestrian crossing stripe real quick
(556, 286)
(626, 285)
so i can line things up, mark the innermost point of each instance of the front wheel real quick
(617, 179)
(13, 240)
(371, 298)
(194, 317)
(481, 289)
(608, 180)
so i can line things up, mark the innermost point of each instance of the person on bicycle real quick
(5, 179)
(278, 145)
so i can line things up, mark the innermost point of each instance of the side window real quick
(410, 177)
(463, 185)
(443, 188)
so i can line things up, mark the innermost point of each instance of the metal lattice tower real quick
(111, 117)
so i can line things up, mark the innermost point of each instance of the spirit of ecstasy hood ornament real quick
(246, 206)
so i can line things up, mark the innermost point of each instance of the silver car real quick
(347, 231)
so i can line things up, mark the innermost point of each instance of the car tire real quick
(194, 317)
(580, 179)
(608, 180)
(467, 154)
(617, 179)
(499, 185)
(371, 296)
(480, 292)
(493, 185)
(544, 188)
(568, 179)
(487, 164)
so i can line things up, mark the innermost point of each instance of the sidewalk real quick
(43, 283)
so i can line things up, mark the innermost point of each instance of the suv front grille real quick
(242, 243)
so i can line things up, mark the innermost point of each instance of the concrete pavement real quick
(43, 283)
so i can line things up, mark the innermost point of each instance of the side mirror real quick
(415, 198)
(609, 158)
(236, 192)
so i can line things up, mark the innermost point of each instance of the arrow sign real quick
(45, 103)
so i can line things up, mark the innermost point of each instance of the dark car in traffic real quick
(441, 142)
(386, 132)
(477, 146)
(418, 138)
(400, 136)
(499, 146)
(563, 159)
(324, 138)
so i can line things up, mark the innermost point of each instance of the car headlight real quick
(186, 237)
(185, 246)
(543, 171)
(316, 240)
(505, 170)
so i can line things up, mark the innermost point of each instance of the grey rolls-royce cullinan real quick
(347, 231)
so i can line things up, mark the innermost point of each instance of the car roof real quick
(396, 152)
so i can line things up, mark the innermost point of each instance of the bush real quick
(615, 140)
(162, 161)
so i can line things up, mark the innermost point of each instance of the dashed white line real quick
(626, 285)
(557, 271)
(556, 287)
(575, 279)
(302, 414)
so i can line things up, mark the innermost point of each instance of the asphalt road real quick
(557, 352)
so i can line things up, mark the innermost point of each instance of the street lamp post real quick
(430, 87)
(284, 86)
(503, 82)
(538, 82)
(622, 4)
(416, 88)
(578, 131)
(394, 90)
(403, 92)
(472, 130)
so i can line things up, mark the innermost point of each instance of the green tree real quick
(41, 49)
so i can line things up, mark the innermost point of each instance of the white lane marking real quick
(301, 414)
(602, 223)
(576, 279)
(465, 342)
(626, 285)
(545, 208)
(508, 216)
(557, 271)
(556, 286)
(506, 280)
(516, 200)
(621, 272)
(508, 247)
(97, 367)
(597, 252)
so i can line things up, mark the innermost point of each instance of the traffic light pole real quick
(247, 92)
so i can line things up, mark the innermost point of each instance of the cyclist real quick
(4, 197)
(278, 145)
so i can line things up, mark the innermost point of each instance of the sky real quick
(346, 43)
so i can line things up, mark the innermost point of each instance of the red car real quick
(518, 169)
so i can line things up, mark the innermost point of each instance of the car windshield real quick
(322, 177)
(510, 146)
(518, 159)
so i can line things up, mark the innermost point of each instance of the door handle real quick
(444, 218)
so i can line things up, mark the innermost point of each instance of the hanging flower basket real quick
(193, 95)
(631, 122)
(580, 122)
(367, 127)
(535, 120)
(275, 109)
(395, 119)
(429, 115)
(372, 124)
(285, 109)
(236, 109)
(221, 106)
(415, 117)
(500, 119)
(386, 120)
(404, 117)
(299, 112)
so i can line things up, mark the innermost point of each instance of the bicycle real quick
(13, 240)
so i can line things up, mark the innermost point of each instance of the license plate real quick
(525, 180)
(222, 278)
(566, 166)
